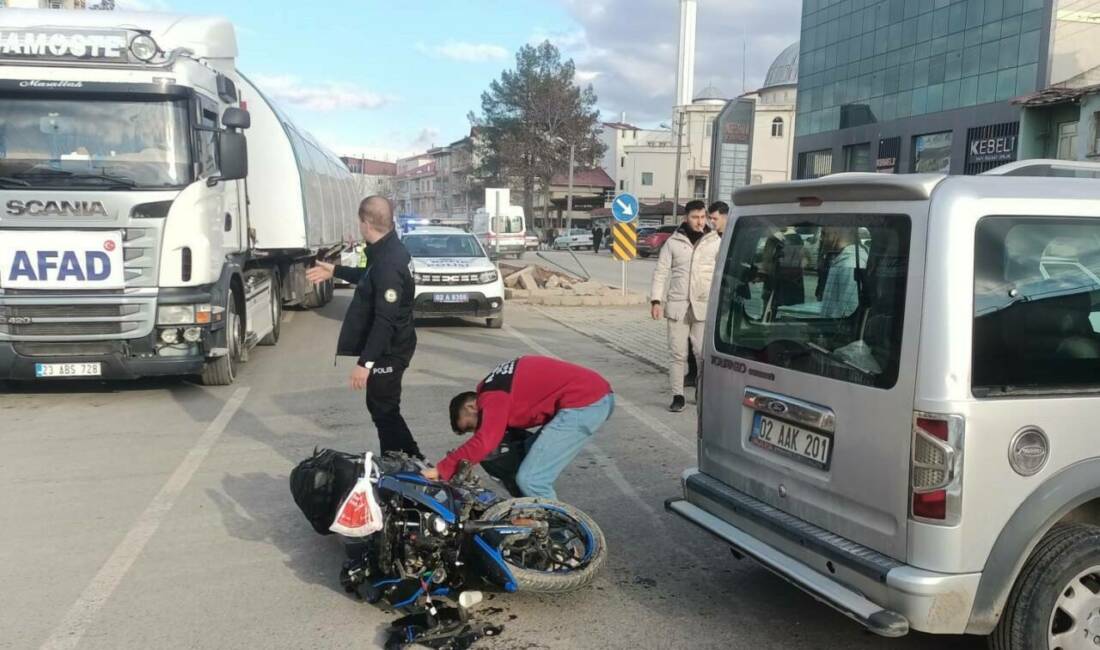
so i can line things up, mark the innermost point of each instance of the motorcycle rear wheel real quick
(560, 581)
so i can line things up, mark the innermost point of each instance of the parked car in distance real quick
(353, 255)
(454, 276)
(531, 241)
(922, 430)
(651, 242)
(576, 238)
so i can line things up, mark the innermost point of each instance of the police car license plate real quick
(68, 369)
(786, 439)
(451, 297)
(62, 259)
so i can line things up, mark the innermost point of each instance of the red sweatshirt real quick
(524, 393)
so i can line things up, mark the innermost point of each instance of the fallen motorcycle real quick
(444, 538)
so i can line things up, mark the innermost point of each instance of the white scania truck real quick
(139, 234)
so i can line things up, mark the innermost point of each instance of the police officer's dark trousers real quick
(384, 405)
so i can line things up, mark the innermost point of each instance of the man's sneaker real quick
(677, 404)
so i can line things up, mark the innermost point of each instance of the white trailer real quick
(156, 209)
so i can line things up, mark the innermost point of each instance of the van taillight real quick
(936, 467)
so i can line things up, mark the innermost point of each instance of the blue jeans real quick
(559, 442)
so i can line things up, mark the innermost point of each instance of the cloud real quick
(632, 64)
(389, 146)
(320, 96)
(465, 52)
(427, 138)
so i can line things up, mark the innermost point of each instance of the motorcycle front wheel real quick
(567, 558)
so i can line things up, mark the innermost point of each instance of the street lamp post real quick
(569, 197)
(676, 184)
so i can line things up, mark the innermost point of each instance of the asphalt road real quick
(156, 514)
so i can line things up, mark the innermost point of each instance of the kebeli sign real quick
(63, 44)
(62, 260)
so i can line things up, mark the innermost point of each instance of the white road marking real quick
(80, 616)
(657, 427)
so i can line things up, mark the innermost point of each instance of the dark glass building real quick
(900, 86)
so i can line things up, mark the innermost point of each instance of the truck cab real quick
(127, 243)
(899, 421)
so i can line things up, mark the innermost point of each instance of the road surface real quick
(156, 514)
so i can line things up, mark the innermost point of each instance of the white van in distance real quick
(902, 421)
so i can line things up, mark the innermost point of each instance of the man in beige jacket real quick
(681, 287)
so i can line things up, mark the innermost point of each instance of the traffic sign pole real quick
(624, 235)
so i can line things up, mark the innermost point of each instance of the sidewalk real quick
(628, 330)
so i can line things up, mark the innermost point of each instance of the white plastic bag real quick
(359, 514)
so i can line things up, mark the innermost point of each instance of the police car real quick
(454, 276)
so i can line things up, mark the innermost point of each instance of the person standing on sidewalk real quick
(680, 289)
(597, 236)
(568, 401)
(378, 327)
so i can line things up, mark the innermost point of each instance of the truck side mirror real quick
(232, 156)
(236, 118)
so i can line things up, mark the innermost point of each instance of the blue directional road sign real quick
(625, 207)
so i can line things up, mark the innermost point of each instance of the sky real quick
(390, 78)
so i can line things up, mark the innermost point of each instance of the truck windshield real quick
(93, 143)
(823, 294)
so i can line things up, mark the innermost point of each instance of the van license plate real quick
(68, 369)
(809, 447)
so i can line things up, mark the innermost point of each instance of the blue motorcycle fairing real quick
(412, 489)
(493, 564)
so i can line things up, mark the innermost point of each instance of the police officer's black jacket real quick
(379, 321)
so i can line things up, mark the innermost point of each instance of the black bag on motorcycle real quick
(320, 483)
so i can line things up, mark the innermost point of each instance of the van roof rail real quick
(1047, 167)
(841, 187)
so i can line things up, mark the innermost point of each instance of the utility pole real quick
(676, 183)
(569, 197)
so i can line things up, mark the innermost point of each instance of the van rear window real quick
(1036, 305)
(823, 295)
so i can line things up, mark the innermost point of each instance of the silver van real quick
(900, 411)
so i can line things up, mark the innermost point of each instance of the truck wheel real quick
(495, 323)
(1055, 601)
(276, 312)
(319, 295)
(222, 371)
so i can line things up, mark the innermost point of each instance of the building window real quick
(709, 130)
(622, 185)
(857, 158)
(622, 161)
(815, 164)
(55, 4)
(932, 153)
(1067, 141)
(777, 127)
(700, 189)
(647, 178)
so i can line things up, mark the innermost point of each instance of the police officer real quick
(378, 327)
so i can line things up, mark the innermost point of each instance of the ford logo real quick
(777, 407)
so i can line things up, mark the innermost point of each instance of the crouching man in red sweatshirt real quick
(568, 401)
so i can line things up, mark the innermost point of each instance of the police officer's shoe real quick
(677, 404)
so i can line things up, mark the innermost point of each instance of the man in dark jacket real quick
(597, 236)
(378, 327)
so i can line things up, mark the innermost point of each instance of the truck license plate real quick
(785, 439)
(43, 370)
(451, 297)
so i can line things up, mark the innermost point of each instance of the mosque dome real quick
(784, 70)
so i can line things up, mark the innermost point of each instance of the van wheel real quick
(1055, 602)
(494, 323)
(222, 371)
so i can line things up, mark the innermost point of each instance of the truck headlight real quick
(184, 314)
(175, 314)
(487, 277)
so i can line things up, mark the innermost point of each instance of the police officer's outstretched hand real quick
(359, 377)
(321, 272)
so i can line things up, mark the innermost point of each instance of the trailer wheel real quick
(222, 371)
(276, 311)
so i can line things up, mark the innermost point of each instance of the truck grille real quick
(71, 311)
(94, 348)
(70, 329)
(80, 317)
